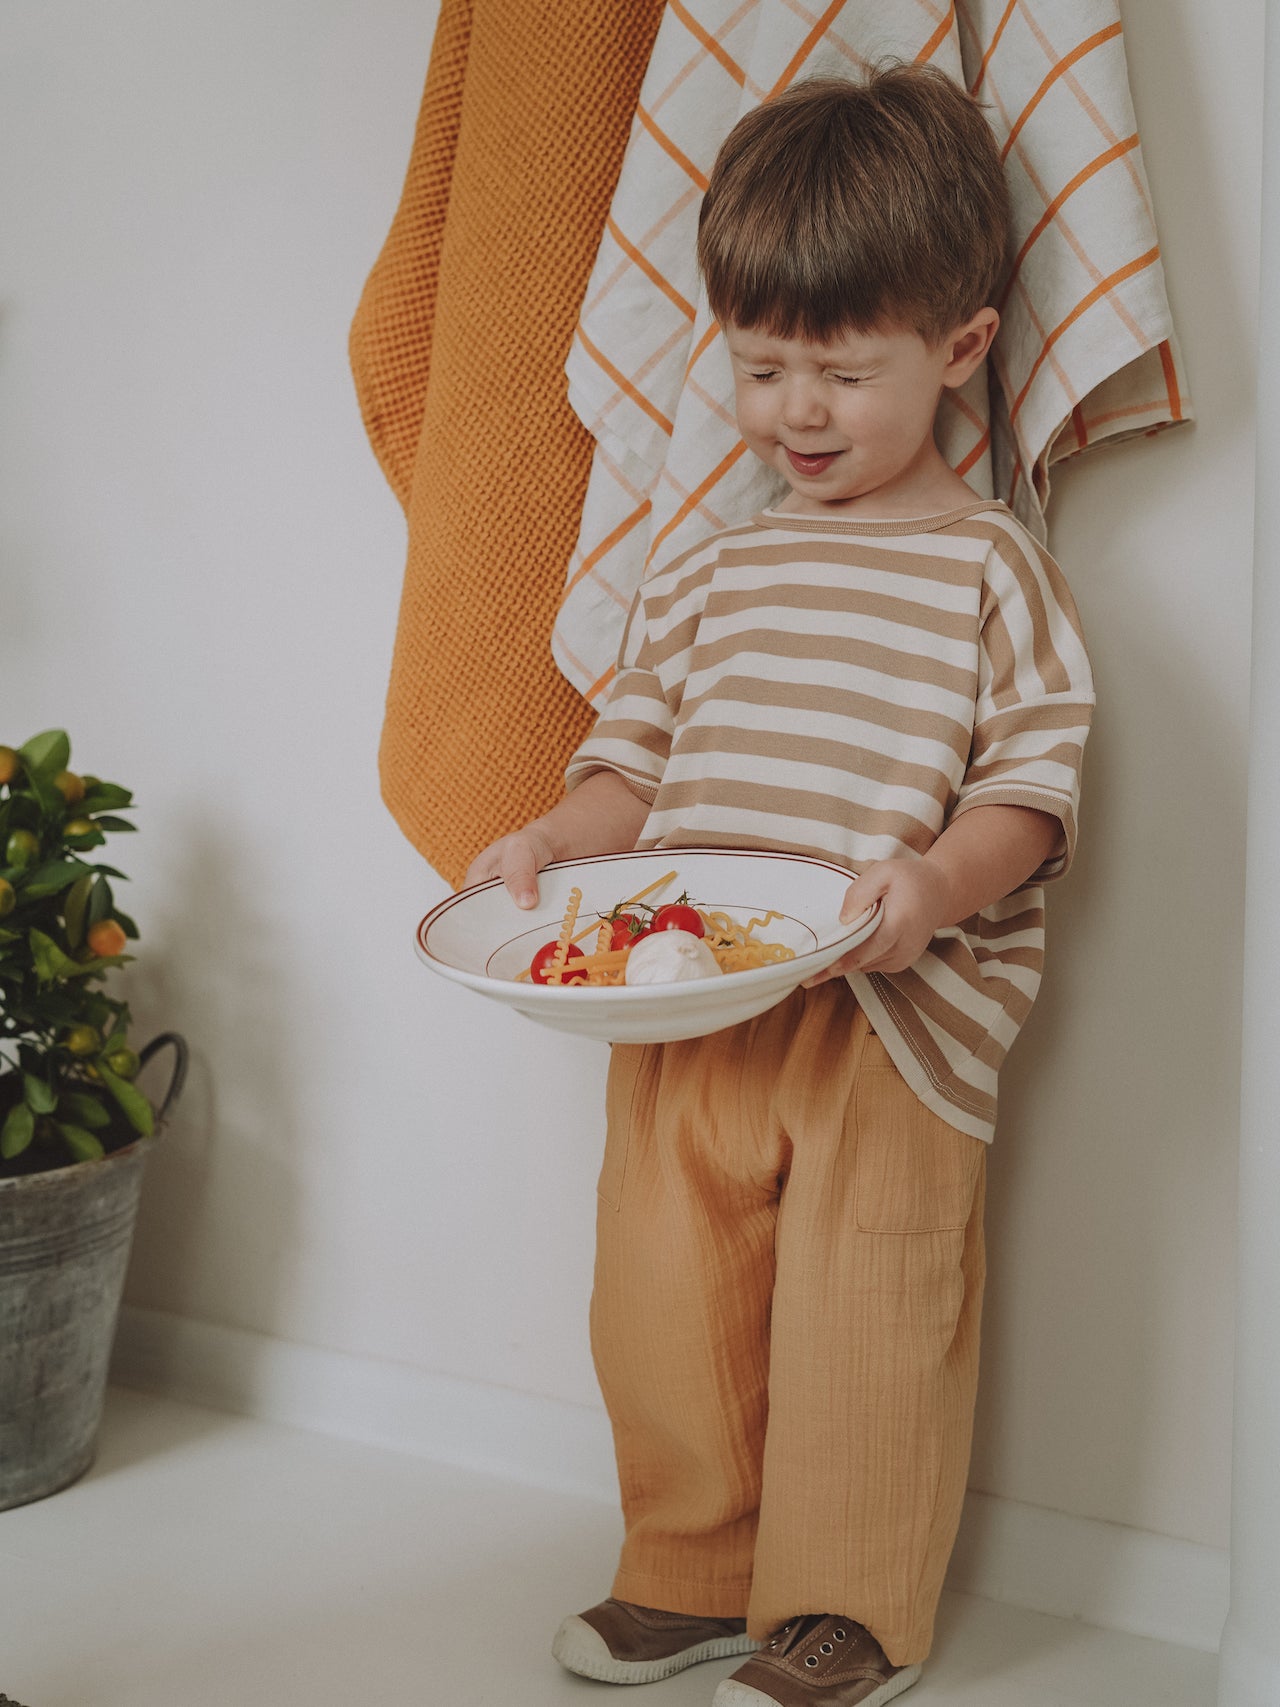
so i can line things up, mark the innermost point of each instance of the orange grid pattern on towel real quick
(457, 349)
(1086, 351)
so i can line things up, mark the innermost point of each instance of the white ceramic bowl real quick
(481, 939)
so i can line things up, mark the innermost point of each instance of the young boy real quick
(887, 672)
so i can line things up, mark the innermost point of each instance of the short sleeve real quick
(1035, 695)
(632, 735)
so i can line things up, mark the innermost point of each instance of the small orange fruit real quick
(69, 786)
(82, 1040)
(107, 938)
(9, 764)
(123, 1063)
(80, 827)
(8, 900)
(21, 848)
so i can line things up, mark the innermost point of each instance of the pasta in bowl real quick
(771, 920)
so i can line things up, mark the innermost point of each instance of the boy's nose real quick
(802, 406)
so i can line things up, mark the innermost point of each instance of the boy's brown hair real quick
(842, 207)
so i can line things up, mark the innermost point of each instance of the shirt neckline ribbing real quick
(850, 524)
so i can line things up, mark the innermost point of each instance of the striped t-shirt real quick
(843, 689)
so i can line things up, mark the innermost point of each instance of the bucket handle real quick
(181, 1059)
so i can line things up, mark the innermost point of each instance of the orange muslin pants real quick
(785, 1318)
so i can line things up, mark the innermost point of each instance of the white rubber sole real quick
(583, 1650)
(731, 1694)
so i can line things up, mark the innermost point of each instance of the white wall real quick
(1110, 1327)
(200, 569)
(1108, 1388)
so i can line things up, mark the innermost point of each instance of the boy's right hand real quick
(516, 859)
(602, 815)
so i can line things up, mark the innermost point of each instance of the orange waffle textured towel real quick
(458, 351)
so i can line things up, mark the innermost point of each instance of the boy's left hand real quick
(916, 900)
(985, 853)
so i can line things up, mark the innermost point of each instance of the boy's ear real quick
(968, 344)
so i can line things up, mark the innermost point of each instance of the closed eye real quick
(768, 373)
(847, 378)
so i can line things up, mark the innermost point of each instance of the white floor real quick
(211, 1561)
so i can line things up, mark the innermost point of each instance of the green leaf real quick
(126, 925)
(110, 871)
(82, 1145)
(105, 1012)
(100, 963)
(39, 1095)
(50, 879)
(84, 1109)
(107, 822)
(18, 1131)
(137, 1109)
(100, 900)
(74, 909)
(50, 961)
(104, 797)
(48, 753)
(51, 802)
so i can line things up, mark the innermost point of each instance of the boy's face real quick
(850, 418)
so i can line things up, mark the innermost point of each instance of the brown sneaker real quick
(817, 1662)
(617, 1642)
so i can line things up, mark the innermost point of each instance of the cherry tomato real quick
(546, 954)
(627, 929)
(677, 917)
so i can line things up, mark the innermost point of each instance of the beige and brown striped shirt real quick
(844, 689)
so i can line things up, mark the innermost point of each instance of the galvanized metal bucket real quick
(65, 1238)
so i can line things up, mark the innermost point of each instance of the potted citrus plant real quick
(75, 1127)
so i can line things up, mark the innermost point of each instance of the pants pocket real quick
(626, 1061)
(915, 1173)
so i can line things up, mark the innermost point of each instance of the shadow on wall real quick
(1111, 1177)
(229, 1158)
(1117, 1119)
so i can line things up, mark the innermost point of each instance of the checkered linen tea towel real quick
(1086, 350)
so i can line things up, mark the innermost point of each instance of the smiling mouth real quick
(815, 464)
